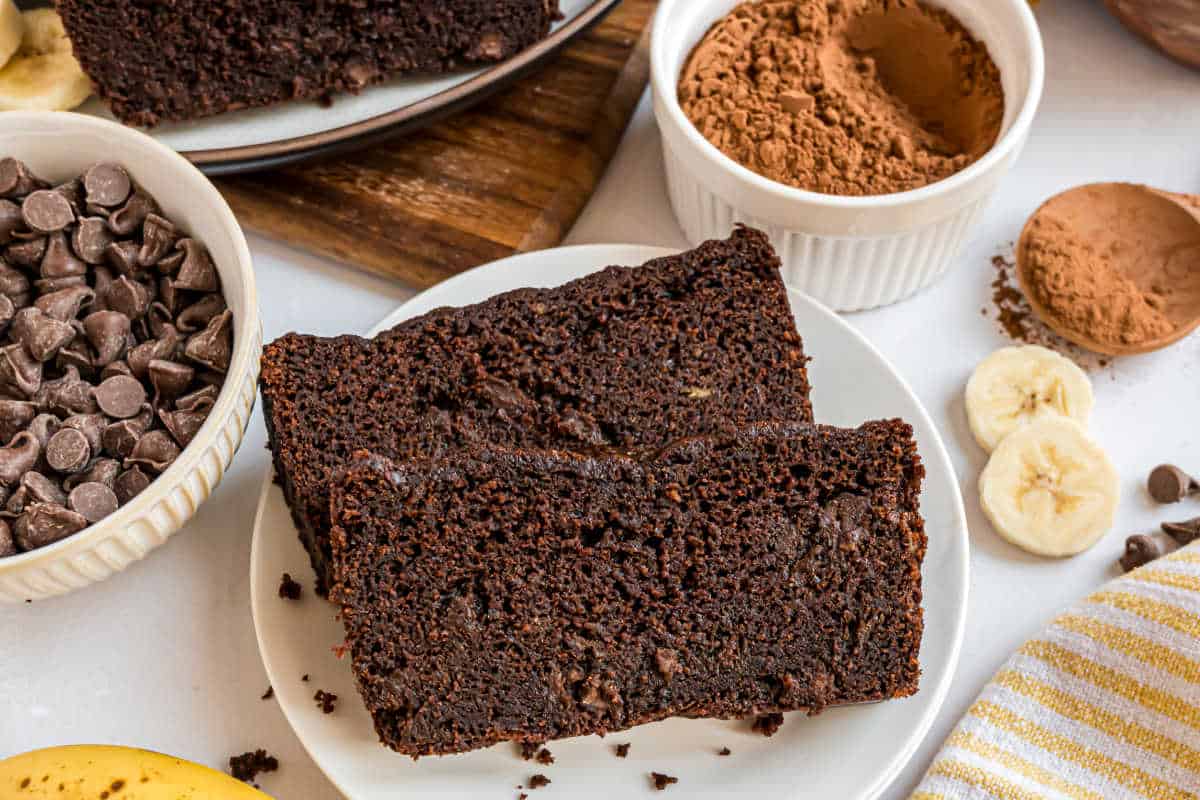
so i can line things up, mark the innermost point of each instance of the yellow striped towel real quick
(1105, 703)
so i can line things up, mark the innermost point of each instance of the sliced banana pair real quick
(1048, 488)
(39, 71)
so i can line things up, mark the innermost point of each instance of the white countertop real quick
(164, 655)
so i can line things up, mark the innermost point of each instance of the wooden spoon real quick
(1149, 236)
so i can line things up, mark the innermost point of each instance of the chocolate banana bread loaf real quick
(497, 594)
(154, 61)
(625, 358)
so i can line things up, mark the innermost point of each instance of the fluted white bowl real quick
(58, 146)
(850, 253)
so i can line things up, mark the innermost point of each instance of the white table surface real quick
(164, 655)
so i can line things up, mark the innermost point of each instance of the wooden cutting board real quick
(509, 175)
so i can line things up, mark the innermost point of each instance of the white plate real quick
(844, 753)
(239, 140)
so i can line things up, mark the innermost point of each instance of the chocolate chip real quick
(107, 331)
(8, 545)
(92, 501)
(1170, 484)
(42, 524)
(197, 273)
(155, 451)
(16, 180)
(1140, 550)
(115, 368)
(20, 370)
(123, 257)
(13, 282)
(41, 335)
(91, 240)
(196, 316)
(120, 438)
(102, 470)
(158, 237)
(77, 354)
(27, 253)
(182, 425)
(7, 311)
(170, 263)
(42, 428)
(65, 304)
(18, 458)
(213, 346)
(128, 297)
(68, 451)
(67, 395)
(11, 220)
(40, 489)
(47, 211)
(130, 217)
(59, 261)
(121, 396)
(160, 349)
(129, 484)
(199, 400)
(169, 378)
(46, 285)
(91, 426)
(107, 184)
(1184, 533)
(15, 416)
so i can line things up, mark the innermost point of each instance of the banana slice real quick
(1018, 385)
(12, 28)
(86, 772)
(1050, 489)
(43, 75)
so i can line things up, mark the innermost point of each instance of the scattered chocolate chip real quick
(289, 589)
(768, 724)
(1184, 533)
(622, 750)
(538, 781)
(106, 184)
(92, 501)
(326, 701)
(1140, 550)
(47, 211)
(1170, 484)
(269, 693)
(662, 781)
(121, 396)
(129, 484)
(248, 766)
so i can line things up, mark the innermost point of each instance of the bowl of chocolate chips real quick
(129, 341)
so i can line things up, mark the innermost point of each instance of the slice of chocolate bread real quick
(500, 594)
(624, 358)
(157, 62)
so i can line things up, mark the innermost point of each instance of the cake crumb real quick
(662, 781)
(622, 750)
(529, 750)
(304, 677)
(288, 588)
(538, 781)
(724, 751)
(247, 766)
(269, 693)
(545, 757)
(326, 701)
(768, 724)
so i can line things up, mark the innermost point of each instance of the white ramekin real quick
(850, 253)
(58, 146)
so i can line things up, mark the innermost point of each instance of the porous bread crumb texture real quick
(496, 594)
(626, 358)
(155, 62)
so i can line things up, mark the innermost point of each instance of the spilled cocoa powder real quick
(845, 97)
(1017, 321)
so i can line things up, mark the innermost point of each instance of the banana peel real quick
(104, 772)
